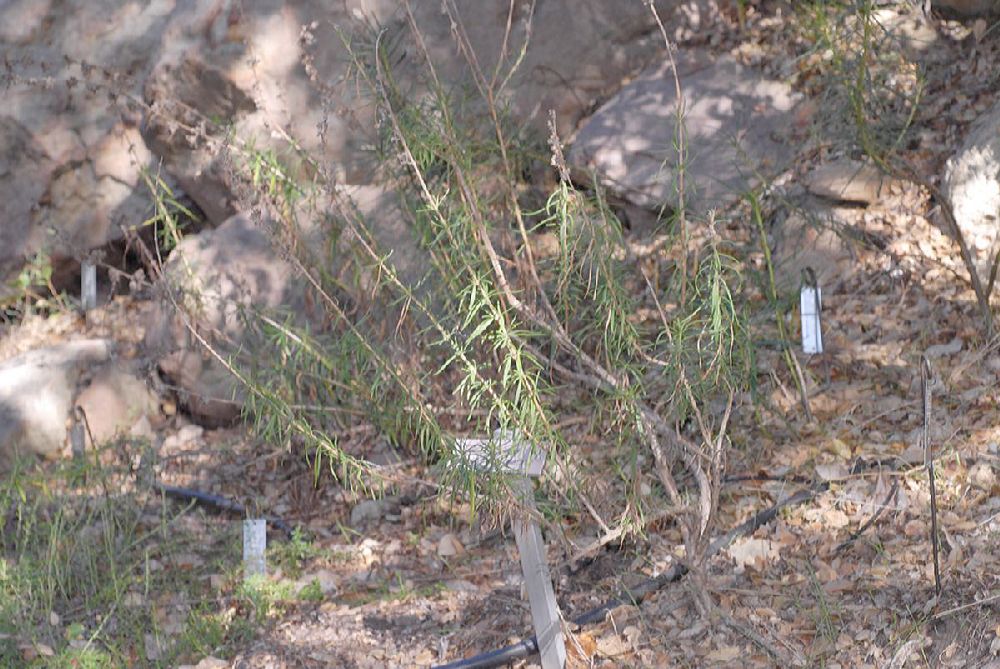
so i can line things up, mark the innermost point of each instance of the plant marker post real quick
(88, 285)
(518, 458)
(78, 434)
(810, 306)
(254, 544)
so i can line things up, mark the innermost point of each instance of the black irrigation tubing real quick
(527, 647)
(220, 503)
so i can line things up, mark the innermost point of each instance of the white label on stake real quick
(538, 583)
(88, 285)
(254, 544)
(810, 306)
(78, 438)
(506, 451)
(510, 452)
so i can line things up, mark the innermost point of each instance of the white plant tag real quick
(78, 437)
(88, 286)
(509, 452)
(810, 305)
(513, 454)
(254, 544)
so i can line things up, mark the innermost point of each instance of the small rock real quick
(384, 455)
(212, 663)
(913, 455)
(832, 472)
(940, 350)
(449, 546)
(983, 476)
(155, 647)
(133, 600)
(141, 429)
(810, 236)
(367, 512)
(967, 9)
(187, 434)
(328, 581)
(228, 268)
(461, 585)
(911, 31)
(115, 399)
(848, 181)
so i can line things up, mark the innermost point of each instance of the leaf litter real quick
(421, 586)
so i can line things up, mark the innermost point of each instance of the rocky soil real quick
(406, 580)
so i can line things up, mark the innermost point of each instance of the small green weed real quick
(289, 556)
(313, 592)
(32, 291)
(86, 573)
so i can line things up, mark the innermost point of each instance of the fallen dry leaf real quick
(835, 518)
(839, 448)
(753, 552)
(580, 649)
(914, 528)
(832, 472)
(724, 654)
(449, 546)
(611, 645)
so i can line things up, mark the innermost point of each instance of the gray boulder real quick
(278, 71)
(737, 123)
(972, 185)
(215, 277)
(37, 392)
(70, 157)
(98, 91)
(367, 512)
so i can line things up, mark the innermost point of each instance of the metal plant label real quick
(811, 304)
(254, 544)
(510, 453)
(88, 286)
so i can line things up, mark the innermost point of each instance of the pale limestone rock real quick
(37, 392)
(972, 185)
(736, 124)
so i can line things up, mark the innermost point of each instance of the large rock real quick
(579, 52)
(249, 80)
(71, 160)
(95, 92)
(972, 185)
(37, 393)
(248, 75)
(215, 276)
(736, 129)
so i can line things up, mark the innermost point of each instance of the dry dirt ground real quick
(421, 586)
(793, 592)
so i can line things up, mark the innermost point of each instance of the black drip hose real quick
(219, 502)
(526, 647)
